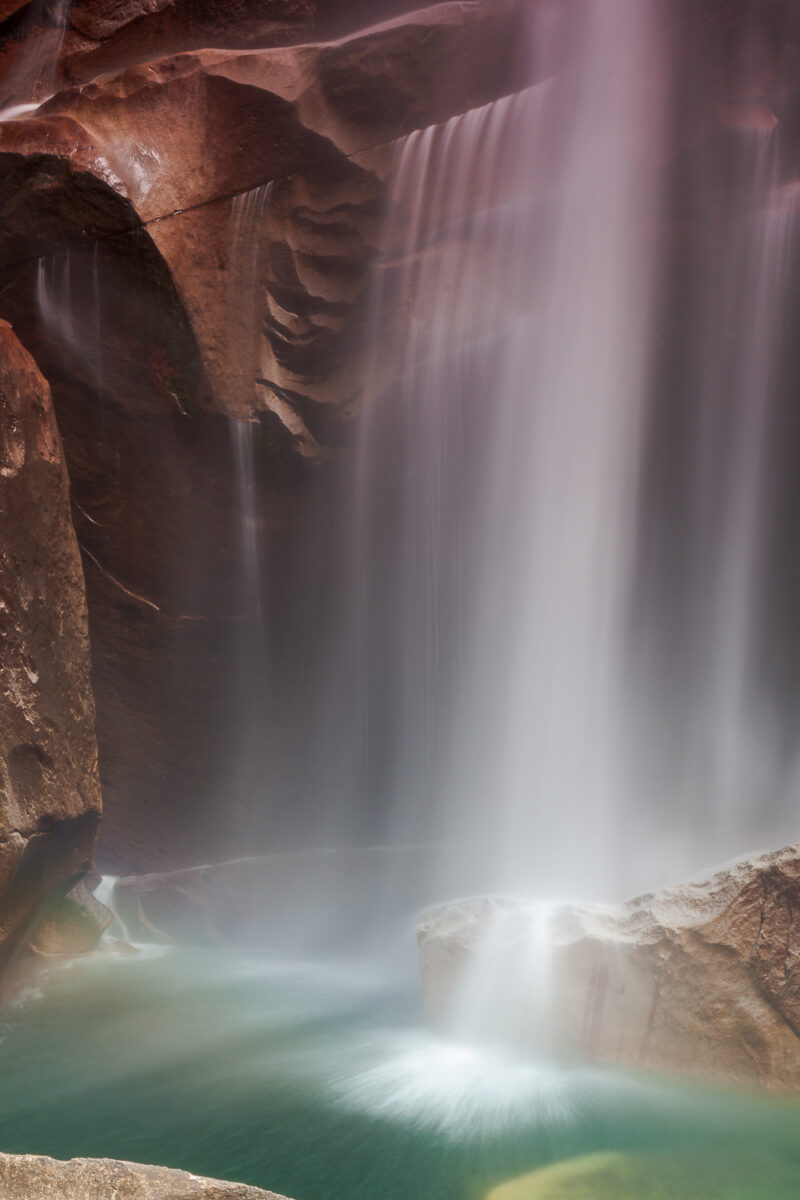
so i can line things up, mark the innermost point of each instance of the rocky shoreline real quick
(36, 1177)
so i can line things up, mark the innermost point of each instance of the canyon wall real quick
(49, 786)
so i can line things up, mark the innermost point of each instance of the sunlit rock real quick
(30, 1177)
(702, 978)
(49, 788)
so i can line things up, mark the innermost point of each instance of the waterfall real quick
(246, 246)
(69, 299)
(707, 553)
(498, 477)
(528, 635)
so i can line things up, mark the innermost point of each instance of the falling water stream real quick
(32, 77)
(528, 272)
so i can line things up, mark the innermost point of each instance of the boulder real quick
(34, 1177)
(73, 925)
(49, 787)
(702, 978)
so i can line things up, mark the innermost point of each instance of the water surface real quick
(321, 1081)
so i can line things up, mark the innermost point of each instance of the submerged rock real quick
(702, 978)
(610, 1175)
(49, 787)
(29, 1177)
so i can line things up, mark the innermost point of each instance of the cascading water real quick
(246, 248)
(553, 686)
(495, 576)
(248, 212)
(497, 661)
(32, 78)
(712, 517)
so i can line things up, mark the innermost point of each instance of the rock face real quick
(702, 978)
(186, 229)
(30, 1177)
(49, 788)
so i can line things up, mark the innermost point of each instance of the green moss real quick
(606, 1176)
(614, 1176)
(182, 394)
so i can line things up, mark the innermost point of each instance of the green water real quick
(323, 1084)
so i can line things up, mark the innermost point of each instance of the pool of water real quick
(321, 1081)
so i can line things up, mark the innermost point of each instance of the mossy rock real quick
(606, 1176)
(694, 1176)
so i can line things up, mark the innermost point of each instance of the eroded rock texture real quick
(703, 978)
(49, 788)
(183, 136)
(186, 231)
(31, 1177)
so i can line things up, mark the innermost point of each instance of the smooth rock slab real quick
(34, 1177)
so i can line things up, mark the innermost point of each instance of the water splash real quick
(104, 894)
(506, 993)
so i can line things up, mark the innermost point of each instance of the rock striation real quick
(186, 232)
(33, 1177)
(702, 978)
(49, 787)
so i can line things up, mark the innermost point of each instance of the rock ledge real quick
(702, 978)
(34, 1177)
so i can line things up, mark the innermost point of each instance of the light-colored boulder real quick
(702, 978)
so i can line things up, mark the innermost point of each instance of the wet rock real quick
(286, 901)
(294, 115)
(73, 925)
(30, 1177)
(49, 787)
(702, 978)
